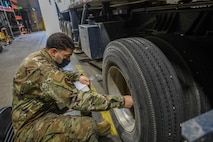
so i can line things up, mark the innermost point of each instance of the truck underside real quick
(157, 51)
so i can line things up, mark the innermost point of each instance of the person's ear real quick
(53, 52)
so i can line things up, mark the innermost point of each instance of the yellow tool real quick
(5, 37)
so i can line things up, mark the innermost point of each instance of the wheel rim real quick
(117, 85)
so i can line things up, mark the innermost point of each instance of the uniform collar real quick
(46, 54)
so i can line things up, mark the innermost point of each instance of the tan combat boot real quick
(104, 128)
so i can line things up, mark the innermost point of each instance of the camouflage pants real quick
(60, 128)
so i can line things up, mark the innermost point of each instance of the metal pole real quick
(84, 13)
(36, 18)
(8, 23)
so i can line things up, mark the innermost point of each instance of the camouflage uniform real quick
(39, 85)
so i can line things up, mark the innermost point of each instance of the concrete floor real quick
(13, 54)
(10, 59)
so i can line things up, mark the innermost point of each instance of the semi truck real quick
(157, 51)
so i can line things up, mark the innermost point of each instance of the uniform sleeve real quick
(86, 101)
(59, 87)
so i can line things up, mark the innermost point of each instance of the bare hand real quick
(84, 80)
(128, 101)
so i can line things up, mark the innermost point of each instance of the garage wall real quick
(49, 13)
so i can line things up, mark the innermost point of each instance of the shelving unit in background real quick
(6, 32)
(18, 16)
(16, 19)
(10, 18)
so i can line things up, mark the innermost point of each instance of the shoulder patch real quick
(58, 76)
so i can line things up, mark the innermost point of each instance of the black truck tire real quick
(6, 127)
(69, 30)
(195, 100)
(137, 67)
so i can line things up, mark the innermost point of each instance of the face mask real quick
(64, 63)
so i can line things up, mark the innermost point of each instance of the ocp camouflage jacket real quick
(39, 85)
